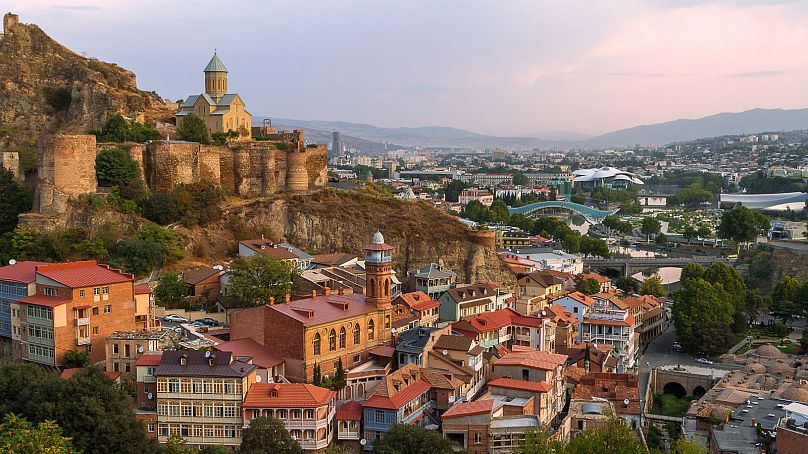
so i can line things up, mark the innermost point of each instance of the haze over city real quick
(502, 68)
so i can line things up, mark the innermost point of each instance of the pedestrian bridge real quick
(628, 267)
(592, 215)
(775, 202)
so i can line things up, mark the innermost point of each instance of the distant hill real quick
(747, 122)
(368, 137)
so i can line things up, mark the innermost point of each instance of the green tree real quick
(193, 129)
(685, 446)
(661, 238)
(730, 280)
(412, 440)
(650, 226)
(538, 441)
(339, 380)
(614, 437)
(578, 198)
(804, 341)
(255, 279)
(652, 286)
(755, 304)
(628, 284)
(161, 208)
(691, 271)
(787, 300)
(15, 198)
(114, 167)
(689, 233)
(500, 209)
(520, 179)
(742, 225)
(116, 129)
(594, 246)
(137, 256)
(699, 306)
(316, 375)
(21, 437)
(266, 434)
(76, 358)
(177, 445)
(170, 289)
(587, 285)
(453, 190)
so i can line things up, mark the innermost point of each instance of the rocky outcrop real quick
(331, 220)
(47, 88)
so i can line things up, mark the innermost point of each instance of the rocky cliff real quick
(329, 220)
(47, 88)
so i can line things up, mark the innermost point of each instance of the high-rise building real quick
(336, 143)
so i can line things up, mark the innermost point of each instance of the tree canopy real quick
(15, 198)
(587, 285)
(170, 289)
(255, 279)
(650, 226)
(21, 437)
(266, 434)
(652, 286)
(114, 167)
(742, 225)
(412, 440)
(193, 129)
(117, 129)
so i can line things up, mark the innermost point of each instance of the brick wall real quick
(472, 430)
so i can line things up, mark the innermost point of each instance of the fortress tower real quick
(215, 78)
(66, 169)
(378, 272)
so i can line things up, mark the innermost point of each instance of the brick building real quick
(17, 281)
(124, 348)
(326, 328)
(421, 305)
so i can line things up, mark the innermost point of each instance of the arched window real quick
(356, 331)
(371, 290)
(316, 343)
(342, 337)
(370, 329)
(387, 287)
(332, 341)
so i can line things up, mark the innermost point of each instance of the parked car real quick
(198, 324)
(175, 318)
(704, 361)
(208, 321)
(677, 347)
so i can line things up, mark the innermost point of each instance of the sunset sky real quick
(495, 67)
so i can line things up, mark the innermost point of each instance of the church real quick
(221, 111)
(327, 328)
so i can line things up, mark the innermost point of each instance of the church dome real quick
(755, 368)
(378, 238)
(215, 65)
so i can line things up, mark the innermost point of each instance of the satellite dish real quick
(12, 262)
(258, 379)
(625, 402)
(207, 354)
(543, 313)
(140, 349)
(363, 442)
(150, 396)
(393, 331)
(445, 352)
(218, 267)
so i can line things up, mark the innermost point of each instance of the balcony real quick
(348, 434)
(83, 321)
(83, 340)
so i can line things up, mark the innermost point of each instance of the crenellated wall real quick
(244, 168)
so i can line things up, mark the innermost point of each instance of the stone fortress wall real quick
(66, 167)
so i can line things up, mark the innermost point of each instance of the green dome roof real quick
(215, 65)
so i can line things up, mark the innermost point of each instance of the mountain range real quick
(370, 138)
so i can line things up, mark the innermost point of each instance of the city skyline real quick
(505, 69)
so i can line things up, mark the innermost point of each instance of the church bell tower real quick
(378, 272)
(215, 78)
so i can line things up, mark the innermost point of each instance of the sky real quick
(494, 67)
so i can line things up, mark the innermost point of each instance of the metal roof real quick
(215, 65)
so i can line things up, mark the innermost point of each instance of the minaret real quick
(215, 78)
(378, 271)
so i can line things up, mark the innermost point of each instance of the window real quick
(116, 367)
(386, 321)
(308, 414)
(49, 291)
(370, 329)
(185, 385)
(114, 349)
(95, 330)
(379, 417)
(332, 341)
(95, 311)
(296, 414)
(105, 290)
(478, 438)
(96, 291)
(316, 343)
(173, 385)
(107, 308)
(81, 294)
(151, 424)
(526, 374)
(357, 358)
(342, 337)
(126, 351)
(356, 331)
(127, 367)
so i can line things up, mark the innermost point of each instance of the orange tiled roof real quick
(22, 272)
(288, 395)
(629, 321)
(601, 279)
(398, 400)
(510, 383)
(418, 301)
(149, 359)
(558, 313)
(478, 407)
(349, 411)
(83, 274)
(580, 297)
(533, 359)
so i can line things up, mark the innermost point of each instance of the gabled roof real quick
(404, 385)
(42, 300)
(215, 65)
(495, 320)
(197, 365)
(578, 296)
(335, 259)
(197, 275)
(558, 314)
(20, 272)
(398, 400)
(142, 289)
(614, 299)
(522, 385)
(149, 359)
(324, 309)
(83, 274)
(472, 292)
(543, 279)
(260, 355)
(417, 301)
(478, 407)
(453, 342)
(287, 395)
(433, 271)
(598, 277)
(532, 359)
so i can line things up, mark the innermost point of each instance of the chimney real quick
(327, 291)
(340, 291)
(271, 300)
(288, 298)
(314, 293)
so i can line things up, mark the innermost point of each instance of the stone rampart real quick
(66, 169)
(317, 165)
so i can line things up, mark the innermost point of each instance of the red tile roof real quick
(21, 272)
(143, 289)
(629, 321)
(42, 300)
(478, 407)
(149, 359)
(580, 297)
(260, 355)
(287, 395)
(384, 351)
(495, 320)
(558, 313)
(600, 278)
(349, 411)
(324, 309)
(417, 301)
(83, 274)
(522, 385)
(532, 359)
(407, 394)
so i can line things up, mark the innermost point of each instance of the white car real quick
(704, 361)
(175, 318)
